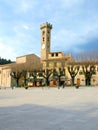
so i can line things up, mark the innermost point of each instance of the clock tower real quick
(45, 40)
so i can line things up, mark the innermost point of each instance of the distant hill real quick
(4, 61)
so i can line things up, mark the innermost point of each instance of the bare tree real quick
(88, 70)
(46, 74)
(16, 72)
(32, 68)
(25, 71)
(59, 73)
(88, 60)
(87, 56)
(73, 70)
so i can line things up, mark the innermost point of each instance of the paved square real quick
(49, 109)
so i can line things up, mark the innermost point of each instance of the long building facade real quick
(47, 60)
(24, 62)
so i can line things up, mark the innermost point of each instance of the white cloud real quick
(73, 24)
(7, 52)
(26, 27)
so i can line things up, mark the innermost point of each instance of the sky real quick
(75, 26)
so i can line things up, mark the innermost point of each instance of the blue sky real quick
(75, 26)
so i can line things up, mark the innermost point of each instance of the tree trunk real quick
(59, 81)
(47, 82)
(88, 81)
(73, 78)
(25, 82)
(17, 82)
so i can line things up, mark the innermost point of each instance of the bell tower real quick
(45, 40)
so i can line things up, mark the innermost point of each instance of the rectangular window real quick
(52, 54)
(43, 32)
(63, 64)
(55, 64)
(56, 54)
(43, 39)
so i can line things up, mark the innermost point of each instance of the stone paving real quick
(49, 108)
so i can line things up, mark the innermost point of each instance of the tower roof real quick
(44, 25)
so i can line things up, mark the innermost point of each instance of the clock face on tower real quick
(43, 46)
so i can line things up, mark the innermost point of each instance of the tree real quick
(34, 75)
(73, 70)
(88, 56)
(31, 69)
(46, 74)
(88, 71)
(88, 60)
(25, 69)
(4, 61)
(61, 72)
(16, 72)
